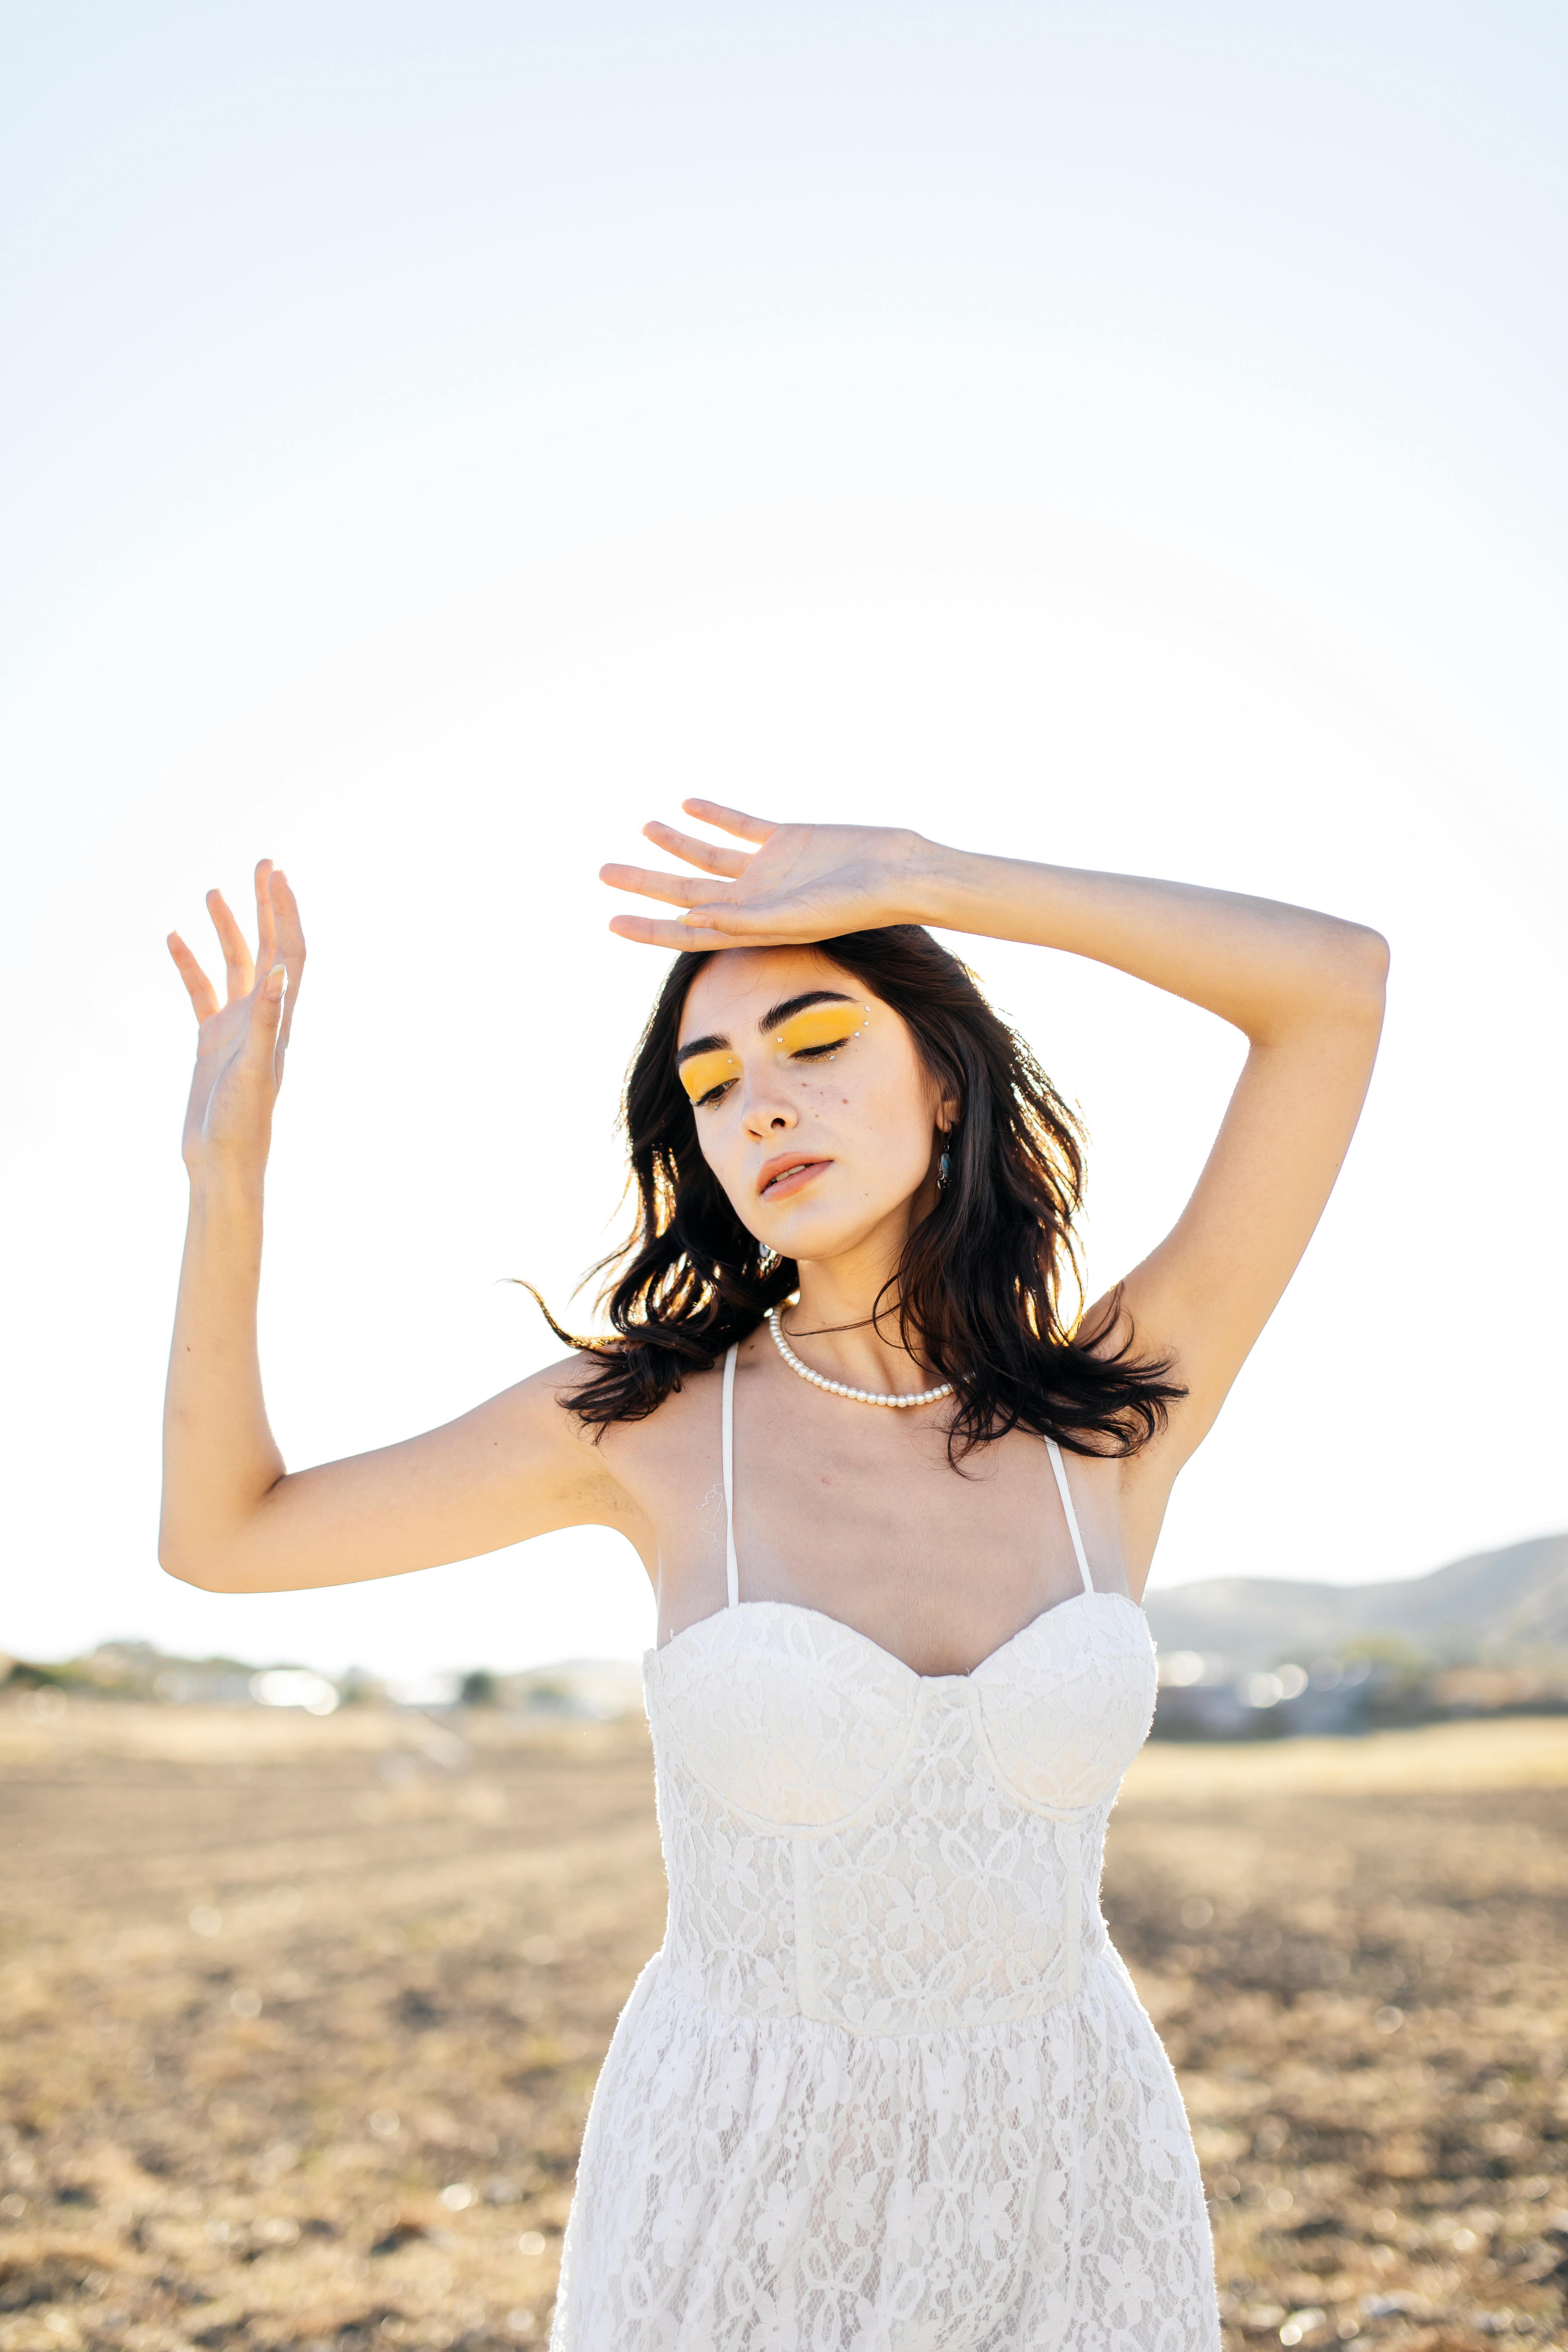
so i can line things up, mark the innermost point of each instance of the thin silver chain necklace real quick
(842, 1388)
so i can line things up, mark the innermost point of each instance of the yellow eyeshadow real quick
(818, 1025)
(816, 1029)
(703, 1072)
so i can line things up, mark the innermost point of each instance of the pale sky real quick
(437, 440)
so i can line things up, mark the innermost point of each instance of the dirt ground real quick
(301, 2019)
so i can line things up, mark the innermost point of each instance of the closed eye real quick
(708, 1076)
(819, 1029)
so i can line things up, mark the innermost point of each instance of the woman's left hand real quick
(801, 883)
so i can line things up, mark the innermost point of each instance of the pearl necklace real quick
(842, 1388)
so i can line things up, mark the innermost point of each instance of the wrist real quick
(942, 884)
(227, 1183)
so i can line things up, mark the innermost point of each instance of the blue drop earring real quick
(943, 1165)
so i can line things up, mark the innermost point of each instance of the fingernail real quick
(276, 978)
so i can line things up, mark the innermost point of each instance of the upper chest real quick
(859, 1511)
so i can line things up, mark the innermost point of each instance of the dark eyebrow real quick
(701, 1045)
(774, 1018)
(776, 1014)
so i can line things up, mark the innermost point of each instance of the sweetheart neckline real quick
(803, 1609)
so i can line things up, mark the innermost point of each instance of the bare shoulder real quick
(663, 1450)
(626, 1473)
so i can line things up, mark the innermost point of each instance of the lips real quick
(786, 1173)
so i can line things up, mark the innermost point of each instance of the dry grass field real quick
(300, 2019)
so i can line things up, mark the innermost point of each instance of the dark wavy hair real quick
(978, 1287)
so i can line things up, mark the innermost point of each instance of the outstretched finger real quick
(674, 890)
(265, 941)
(729, 820)
(264, 1013)
(237, 965)
(649, 932)
(708, 854)
(198, 987)
(289, 938)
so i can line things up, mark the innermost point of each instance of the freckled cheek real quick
(839, 1104)
(871, 1132)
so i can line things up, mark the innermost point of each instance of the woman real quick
(885, 2085)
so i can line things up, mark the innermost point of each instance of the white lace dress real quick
(886, 2087)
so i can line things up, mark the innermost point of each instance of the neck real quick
(832, 1326)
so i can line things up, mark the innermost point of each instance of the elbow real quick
(202, 1568)
(177, 1564)
(1363, 970)
(1376, 953)
(1339, 989)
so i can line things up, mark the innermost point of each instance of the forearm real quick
(1262, 965)
(220, 1458)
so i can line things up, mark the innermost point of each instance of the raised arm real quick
(1305, 989)
(234, 1519)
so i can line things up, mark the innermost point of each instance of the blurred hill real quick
(593, 1690)
(1495, 1608)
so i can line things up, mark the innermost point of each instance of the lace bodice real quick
(881, 1850)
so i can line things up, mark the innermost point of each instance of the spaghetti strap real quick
(727, 1449)
(1059, 1467)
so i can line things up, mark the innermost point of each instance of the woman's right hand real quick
(240, 1044)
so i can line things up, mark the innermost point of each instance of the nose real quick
(767, 1111)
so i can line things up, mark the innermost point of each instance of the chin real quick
(821, 1236)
